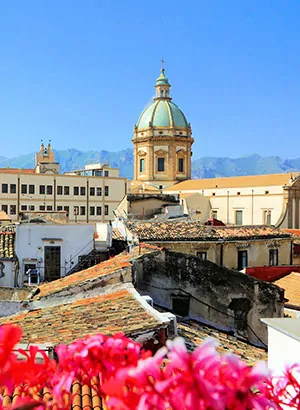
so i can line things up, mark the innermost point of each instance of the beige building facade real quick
(272, 199)
(88, 195)
(235, 247)
(162, 141)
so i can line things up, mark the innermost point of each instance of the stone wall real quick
(210, 293)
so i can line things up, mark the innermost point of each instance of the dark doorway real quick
(242, 259)
(52, 263)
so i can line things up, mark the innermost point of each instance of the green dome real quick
(162, 113)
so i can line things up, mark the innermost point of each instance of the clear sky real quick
(80, 72)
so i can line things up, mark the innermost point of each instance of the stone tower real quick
(162, 141)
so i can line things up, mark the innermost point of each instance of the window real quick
(82, 190)
(76, 190)
(239, 217)
(92, 191)
(23, 207)
(31, 189)
(202, 255)
(214, 214)
(273, 257)
(4, 208)
(31, 207)
(42, 207)
(49, 189)
(12, 209)
(42, 190)
(99, 191)
(213, 194)
(82, 210)
(49, 207)
(4, 188)
(160, 164)
(106, 210)
(66, 190)
(13, 188)
(76, 210)
(142, 165)
(106, 190)
(242, 259)
(92, 210)
(266, 192)
(59, 208)
(267, 217)
(98, 173)
(106, 173)
(161, 187)
(23, 189)
(180, 165)
(181, 305)
(67, 209)
(59, 190)
(99, 210)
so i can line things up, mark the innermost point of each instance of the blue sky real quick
(80, 72)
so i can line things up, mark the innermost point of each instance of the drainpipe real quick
(291, 253)
(227, 207)
(221, 254)
(252, 200)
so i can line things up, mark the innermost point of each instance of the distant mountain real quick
(206, 167)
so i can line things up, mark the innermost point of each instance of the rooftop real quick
(104, 268)
(118, 311)
(291, 285)
(191, 231)
(195, 333)
(235, 182)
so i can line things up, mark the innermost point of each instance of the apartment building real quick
(87, 195)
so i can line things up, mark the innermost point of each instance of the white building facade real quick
(88, 195)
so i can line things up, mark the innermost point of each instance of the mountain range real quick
(205, 167)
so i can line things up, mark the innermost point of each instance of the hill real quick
(206, 167)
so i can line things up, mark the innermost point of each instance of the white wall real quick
(74, 240)
(8, 279)
(103, 237)
(283, 350)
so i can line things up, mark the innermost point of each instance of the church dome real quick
(162, 113)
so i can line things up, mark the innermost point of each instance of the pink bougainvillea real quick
(128, 378)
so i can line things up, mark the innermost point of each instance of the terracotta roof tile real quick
(191, 231)
(116, 234)
(84, 397)
(233, 182)
(291, 285)
(7, 245)
(17, 171)
(120, 261)
(195, 333)
(118, 311)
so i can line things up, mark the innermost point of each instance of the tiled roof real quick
(116, 234)
(118, 311)
(14, 293)
(195, 333)
(188, 231)
(7, 244)
(16, 171)
(4, 216)
(291, 285)
(296, 235)
(234, 182)
(104, 268)
(85, 397)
